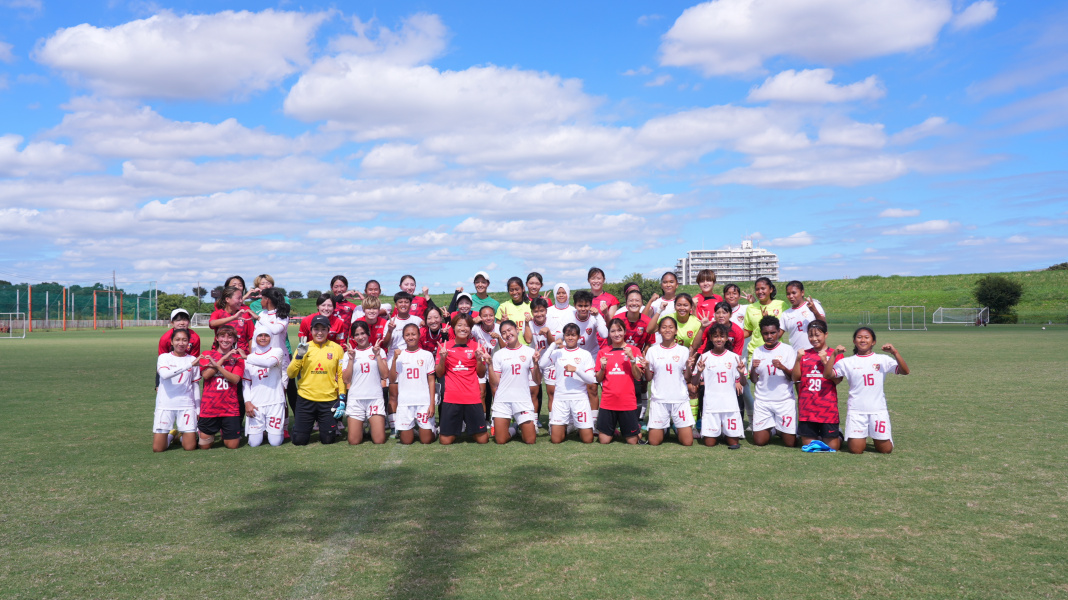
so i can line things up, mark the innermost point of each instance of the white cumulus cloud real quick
(190, 56)
(801, 238)
(814, 85)
(893, 213)
(925, 228)
(977, 13)
(737, 36)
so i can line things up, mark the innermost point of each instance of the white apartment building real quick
(733, 263)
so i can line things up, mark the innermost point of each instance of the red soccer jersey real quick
(706, 307)
(244, 326)
(637, 333)
(735, 339)
(165, 345)
(429, 341)
(461, 378)
(338, 331)
(377, 329)
(617, 389)
(343, 311)
(818, 399)
(419, 308)
(220, 396)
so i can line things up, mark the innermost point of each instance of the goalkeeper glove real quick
(340, 410)
(302, 349)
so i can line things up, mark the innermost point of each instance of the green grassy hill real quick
(1045, 295)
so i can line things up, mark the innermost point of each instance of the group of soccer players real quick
(696, 365)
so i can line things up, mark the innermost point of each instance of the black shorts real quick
(453, 417)
(627, 420)
(230, 426)
(812, 429)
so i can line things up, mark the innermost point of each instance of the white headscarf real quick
(556, 303)
(256, 334)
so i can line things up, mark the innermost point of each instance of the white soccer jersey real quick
(865, 374)
(177, 383)
(366, 383)
(397, 341)
(660, 306)
(738, 314)
(772, 385)
(668, 380)
(485, 338)
(720, 374)
(795, 322)
(589, 329)
(412, 371)
(537, 340)
(514, 368)
(262, 380)
(556, 318)
(572, 386)
(279, 330)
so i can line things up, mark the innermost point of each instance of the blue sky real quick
(183, 142)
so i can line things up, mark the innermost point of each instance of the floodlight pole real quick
(94, 309)
(29, 305)
(64, 309)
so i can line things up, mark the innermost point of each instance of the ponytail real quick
(279, 301)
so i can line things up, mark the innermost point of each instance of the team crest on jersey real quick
(577, 360)
(419, 362)
(589, 330)
(689, 334)
(876, 367)
(675, 358)
(641, 330)
(329, 356)
(469, 353)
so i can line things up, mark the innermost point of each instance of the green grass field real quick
(971, 504)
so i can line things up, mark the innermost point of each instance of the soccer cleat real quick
(734, 446)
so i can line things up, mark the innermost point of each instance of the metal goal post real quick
(903, 318)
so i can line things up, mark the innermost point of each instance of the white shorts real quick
(715, 424)
(185, 420)
(268, 418)
(662, 414)
(407, 417)
(778, 415)
(865, 425)
(362, 409)
(522, 412)
(572, 412)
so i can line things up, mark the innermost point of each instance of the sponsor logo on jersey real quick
(616, 370)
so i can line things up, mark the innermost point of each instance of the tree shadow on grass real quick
(438, 525)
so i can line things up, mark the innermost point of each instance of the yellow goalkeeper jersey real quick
(319, 372)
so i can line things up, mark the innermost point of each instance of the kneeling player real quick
(462, 362)
(866, 371)
(571, 402)
(265, 397)
(220, 408)
(411, 369)
(817, 398)
(722, 373)
(669, 398)
(364, 368)
(178, 373)
(771, 372)
(514, 378)
(619, 369)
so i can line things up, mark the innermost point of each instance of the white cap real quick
(178, 311)
(482, 274)
(464, 295)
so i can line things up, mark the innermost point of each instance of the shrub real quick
(1000, 294)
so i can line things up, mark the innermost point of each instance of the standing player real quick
(364, 369)
(376, 323)
(561, 312)
(264, 382)
(176, 402)
(325, 305)
(418, 304)
(402, 316)
(230, 310)
(371, 289)
(817, 398)
(705, 302)
(343, 309)
(660, 305)
(619, 369)
(534, 285)
(765, 306)
(220, 409)
(517, 309)
(721, 371)
(668, 369)
(412, 371)
(320, 386)
(537, 334)
(771, 372)
(486, 335)
(514, 378)
(604, 304)
(463, 306)
(866, 371)
(179, 320)
(482, 297)
(575, 371)
(639, 334)
(462, 362)
(802, 311)
(434, 332)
